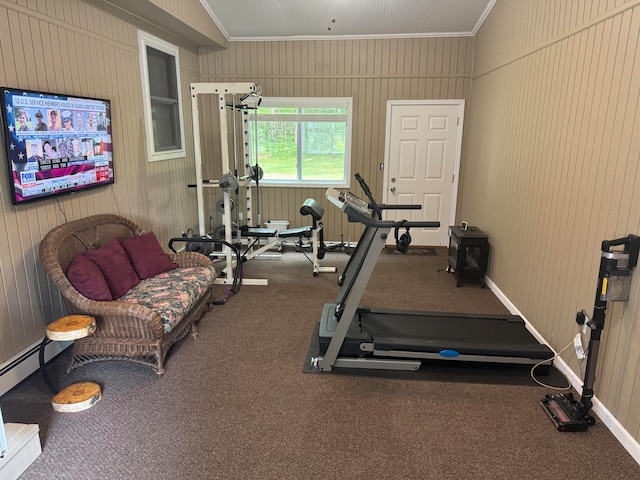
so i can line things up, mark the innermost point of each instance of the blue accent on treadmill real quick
(449, 353)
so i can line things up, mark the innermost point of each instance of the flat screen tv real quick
(54, 143)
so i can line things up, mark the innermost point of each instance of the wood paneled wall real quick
(192, 13)
(550, 155)
(83, 47)
(188, 19)
(552, 169)
(369, 71)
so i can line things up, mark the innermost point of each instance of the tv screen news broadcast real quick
(55, 144)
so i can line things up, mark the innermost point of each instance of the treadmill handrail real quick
(356, 216)
(400, 206)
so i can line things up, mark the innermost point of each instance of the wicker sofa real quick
(125, 327)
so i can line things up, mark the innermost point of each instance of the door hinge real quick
(458, 121)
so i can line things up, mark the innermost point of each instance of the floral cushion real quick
(172, 294)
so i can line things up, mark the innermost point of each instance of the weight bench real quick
(314, 231)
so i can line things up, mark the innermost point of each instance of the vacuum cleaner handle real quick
(632, 247)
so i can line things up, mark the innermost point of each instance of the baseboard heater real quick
(21, 358)
(25, 363)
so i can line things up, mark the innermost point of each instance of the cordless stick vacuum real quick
(614, 283)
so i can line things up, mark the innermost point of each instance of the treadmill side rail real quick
(369, 363)
(461, 357)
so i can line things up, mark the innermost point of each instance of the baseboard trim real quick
(21, 366)
(624, 437)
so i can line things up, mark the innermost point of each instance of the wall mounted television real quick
(54, 143)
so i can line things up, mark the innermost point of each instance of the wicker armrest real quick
(118, 317)
(190, 259)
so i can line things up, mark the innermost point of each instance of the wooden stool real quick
(79, 396)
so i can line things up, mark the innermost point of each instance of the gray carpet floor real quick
(235, 403)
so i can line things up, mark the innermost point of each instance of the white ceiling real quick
(291, 19)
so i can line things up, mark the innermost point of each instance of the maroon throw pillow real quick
(87, 278)
(146, 255)
(114, 264)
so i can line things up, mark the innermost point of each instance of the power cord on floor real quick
(560, 389)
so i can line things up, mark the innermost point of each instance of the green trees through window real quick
(299, 143)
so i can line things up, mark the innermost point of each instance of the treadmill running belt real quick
(504, 335)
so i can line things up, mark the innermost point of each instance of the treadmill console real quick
(348, 201)
(356, 203)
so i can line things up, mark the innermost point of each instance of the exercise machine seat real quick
(313, 208)
(296, 232)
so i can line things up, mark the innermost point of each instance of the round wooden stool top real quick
(77, 397)
(71, 327)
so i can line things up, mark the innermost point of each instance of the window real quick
(160, 69)
(303, 141)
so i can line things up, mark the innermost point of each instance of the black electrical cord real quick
(237, 278)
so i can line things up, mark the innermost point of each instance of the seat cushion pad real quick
(172, 294)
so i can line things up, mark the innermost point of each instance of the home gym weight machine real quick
(237, 97)
(242, 98)
(614, 283)
(352, 336)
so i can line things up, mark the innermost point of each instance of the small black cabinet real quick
(468, 254)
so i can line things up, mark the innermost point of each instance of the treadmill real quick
(353, 336)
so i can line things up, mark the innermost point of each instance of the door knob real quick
(393, 189)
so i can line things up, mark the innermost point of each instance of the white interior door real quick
(422, 160)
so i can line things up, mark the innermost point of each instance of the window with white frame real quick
(303, 141)
(160, 68)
